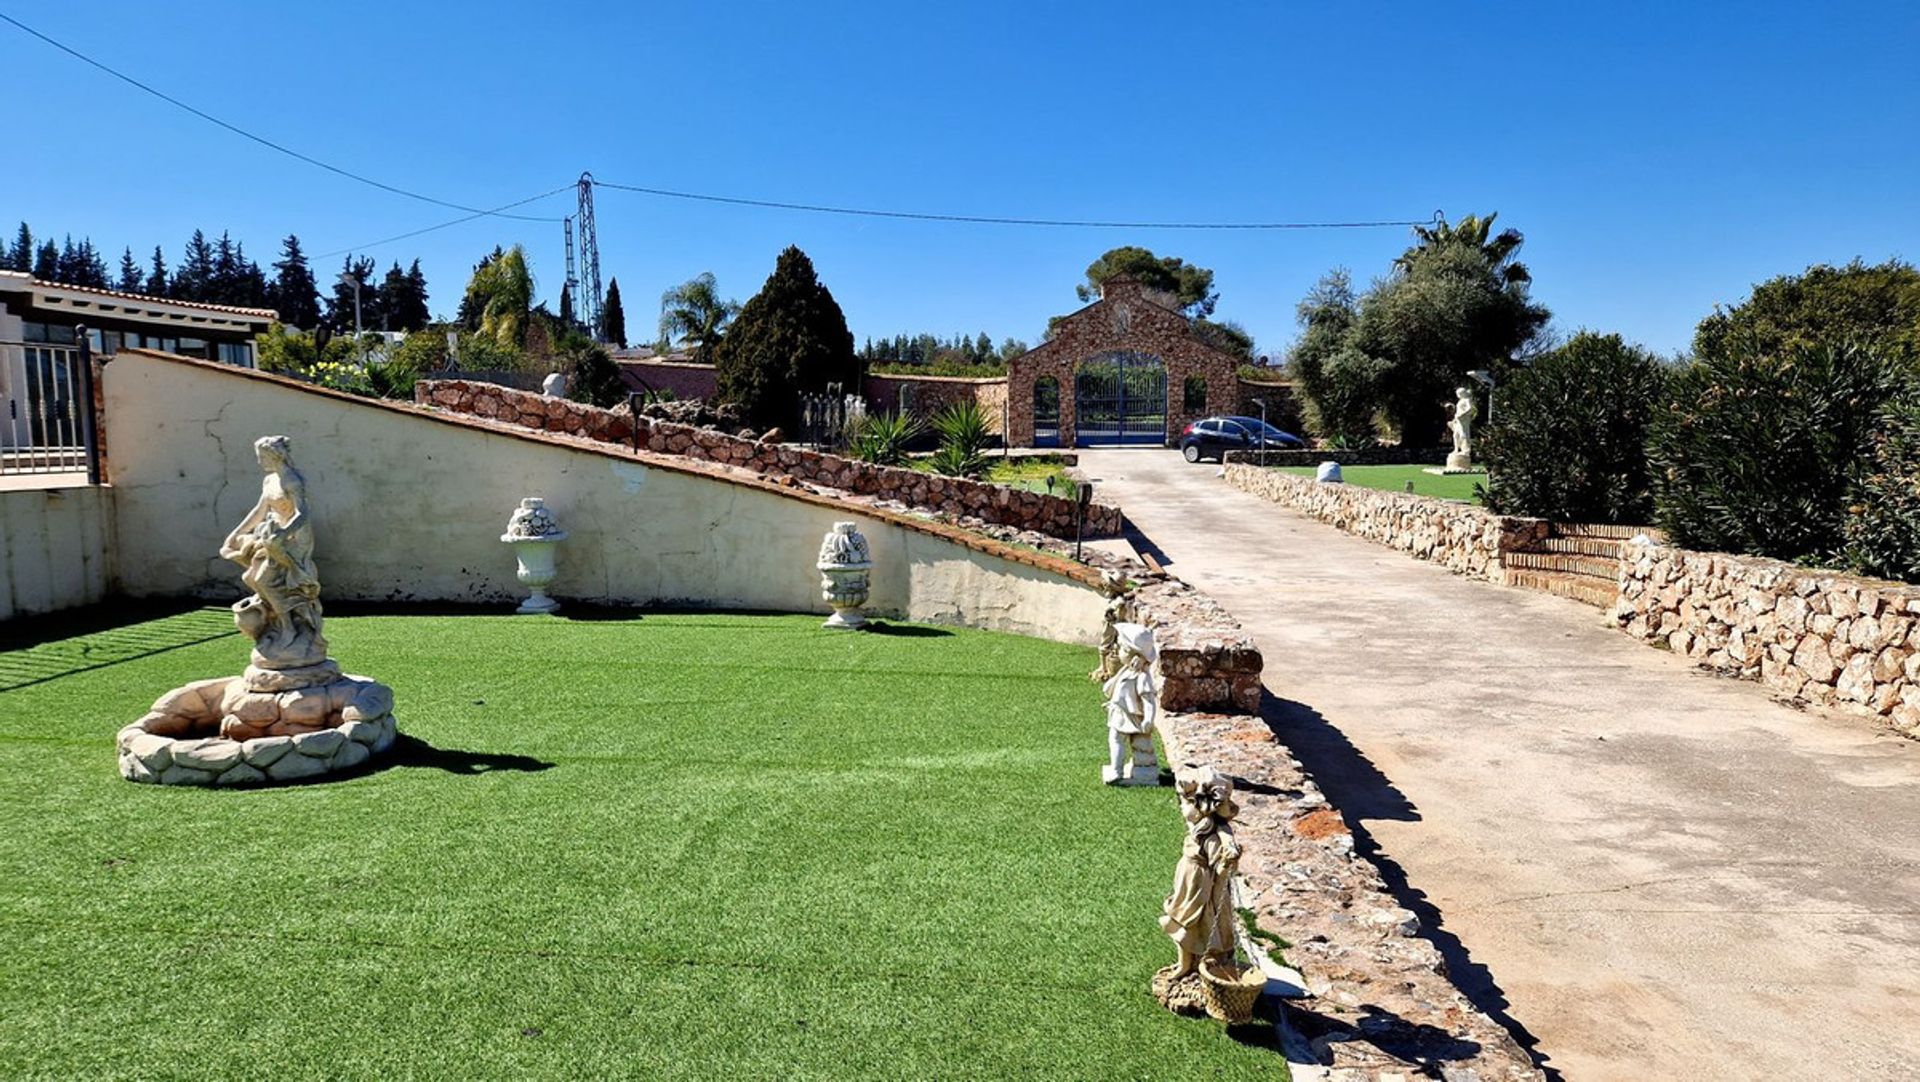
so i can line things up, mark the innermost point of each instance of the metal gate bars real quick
(1120, 397)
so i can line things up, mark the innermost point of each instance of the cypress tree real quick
(295, 297)
(613, 317)
(157, 282)
(129, 273)
(20, 256)
(790, 338)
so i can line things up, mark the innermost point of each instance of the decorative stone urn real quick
(534, 535)
(844, 575)
(292, 714)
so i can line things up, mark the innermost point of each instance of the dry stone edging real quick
(1380, 1003)
(1823, 638)
(1461, 537)
(953, 496)
(169, 745)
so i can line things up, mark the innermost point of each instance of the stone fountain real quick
(292, 714)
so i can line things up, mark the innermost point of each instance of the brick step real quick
(1590, 590)
(1610, 547)
(1599, 529)
(1606, 568)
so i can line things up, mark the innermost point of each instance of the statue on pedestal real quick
(274, 546)
(1133, 706)
(1460, 422)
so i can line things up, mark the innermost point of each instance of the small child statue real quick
(1198, 915)
(1133, 706)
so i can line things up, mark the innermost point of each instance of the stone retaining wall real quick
(995, 504)
(1371, 456)
(1462, 537)
(1379, 1004)
(1814, 636)
(1207, 662)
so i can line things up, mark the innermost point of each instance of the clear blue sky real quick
(1659, 158)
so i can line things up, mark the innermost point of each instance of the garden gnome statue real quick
(1460, 423)
(1133, 706)
(844, 567)
(1198, 915)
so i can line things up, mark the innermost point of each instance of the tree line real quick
(221, 272)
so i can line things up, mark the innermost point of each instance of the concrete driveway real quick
(1646, 870)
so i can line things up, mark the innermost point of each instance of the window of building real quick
(239, 354)
(1194, 395)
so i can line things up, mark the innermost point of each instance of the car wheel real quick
(1191, 451)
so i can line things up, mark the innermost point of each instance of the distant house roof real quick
(113, 304)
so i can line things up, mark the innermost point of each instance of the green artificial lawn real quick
(699, 846)
(1457, 486)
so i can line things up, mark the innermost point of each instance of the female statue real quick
(1198, 915)
(1460, 420)
(274, 544)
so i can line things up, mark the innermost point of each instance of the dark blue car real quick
(1212, 437)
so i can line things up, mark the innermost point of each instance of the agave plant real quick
(882, 438)
(964, 438)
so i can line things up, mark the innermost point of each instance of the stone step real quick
(1600, 529)
(1610, 547)
(1606, 568)
(1561, 584)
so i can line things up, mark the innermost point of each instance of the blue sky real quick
(1659, 158)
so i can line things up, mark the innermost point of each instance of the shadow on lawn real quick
(411, 751)
(906, 631)
(1360, 792)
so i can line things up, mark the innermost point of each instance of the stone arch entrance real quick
(1119, 397)
(1125, 369)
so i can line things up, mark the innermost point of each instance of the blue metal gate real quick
(1120, 397)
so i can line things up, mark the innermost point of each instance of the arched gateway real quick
(1103, 377)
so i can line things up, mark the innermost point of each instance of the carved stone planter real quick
(534, 535)
(845, 566)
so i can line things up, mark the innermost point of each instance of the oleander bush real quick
(1883, 517)
(1764, 453)
(1569, 441)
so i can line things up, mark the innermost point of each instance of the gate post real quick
(89, 436)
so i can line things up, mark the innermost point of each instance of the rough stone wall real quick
(1126, 317)
(683, 379)
(1371, 456)
(1462, 537)
(1206, 661)
(996, 504)
(1816, 637)
(927, 395)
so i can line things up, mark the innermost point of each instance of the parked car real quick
(1213, 437)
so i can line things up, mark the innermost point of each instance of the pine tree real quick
(223, 285)
(253, 291)
(403, 302)
(613, 318)
(419, 317)
(295, 297)
(67, 268)
(129, 273)
(46, 262)
(340, 306)
(157, 282)
(790, 338)
(20, 256)
(194, 280)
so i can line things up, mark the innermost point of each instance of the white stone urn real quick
(844, 580)
(534, 535)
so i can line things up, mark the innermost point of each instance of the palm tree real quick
(693, 312)
(1474, 232)
(502, 292)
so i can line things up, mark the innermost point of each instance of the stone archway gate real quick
(1143, 326)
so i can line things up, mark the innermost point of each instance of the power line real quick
(495, 212)
(976, 219)
(262, 140)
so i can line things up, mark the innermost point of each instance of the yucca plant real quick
(882, 438)
(964, 439)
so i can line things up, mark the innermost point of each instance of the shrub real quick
(1883, 517)
(1569, 439)
(593, 378)
(1346, 398)
(1875, 305)
(789, 338)
(964, 439)
(1757, 453)
(882, 438)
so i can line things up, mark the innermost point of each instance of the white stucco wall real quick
(55, 548)
(411, 507)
